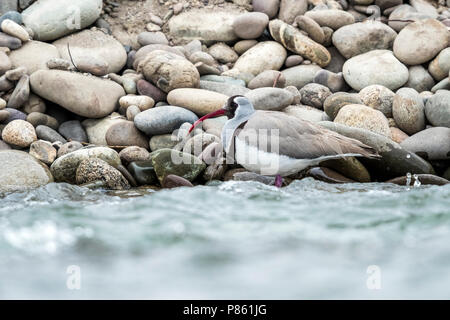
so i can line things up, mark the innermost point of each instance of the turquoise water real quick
(231, 241)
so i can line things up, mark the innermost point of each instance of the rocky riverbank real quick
(102, 93)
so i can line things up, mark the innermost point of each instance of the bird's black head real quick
(231, 106)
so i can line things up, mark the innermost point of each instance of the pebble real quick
(104, 50)
(361, 116)
(145, 88)
(350, 167)
(48, 19)
(437, 109)
(314, 95)
(269, 7)
(398, 135)
(375, 67)
(21, 93)
(185, 165)
(5, 63)
(38, 118)
(146, 38)
(270, 98)
(358, 38)
(333, 81)
(134, 153)
(174, 181)
(9, 42)
(49, 134)
(92, 65)
(64, 168)
(199, 101)
(69, 147)
(439, 67)
(250, 25)
(267, 79)
(293, 60)
(223, 88)
(378, 97)
(15, 30)
(124, 134)
(132, 112)
(164, 141)
(73, 131)
(20, 171)
(142, 102)
(33, 55)
(420, 41)
(164, 119)
(295, 41)
(16, 74)
(199, 142)
(289, 9)
(86, 96)
(4, 114)
(408, 110)
(19, 133)
(301, 75)
(14, 114)
(143, 172)
(311, 27)
(93, 169)
(241, 46)
(43, 151)
(223, 53)
(96, 128)
(331, 18)
(169, 71)
(202, 24)
(431, 144)
(419, 79)
(266, 55)
(11, 15)
(307, 113)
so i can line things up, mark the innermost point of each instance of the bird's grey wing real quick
(297, 138)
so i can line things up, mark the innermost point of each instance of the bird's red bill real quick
(216, 113)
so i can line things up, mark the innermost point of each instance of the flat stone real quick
(206, 25)
(331, 18)
(424, 179)
(375, 67)
(311, 27)
(267, 55)
(64, 168)
(20, 171)
(52, 19)
(43, 151)
(86, 96)
(199, 101)
(163, 120)
(336, 101)
(146, 38)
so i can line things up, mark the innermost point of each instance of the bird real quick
(273, 143)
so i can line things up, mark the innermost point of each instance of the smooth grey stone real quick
(48, 134)
(437, 109)
(223, 87)
(11, 15)
(73, 131)
(8, 5)
(164, 119)
(14, 114)
(430, 144)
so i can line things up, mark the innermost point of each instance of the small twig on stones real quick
(71, 59)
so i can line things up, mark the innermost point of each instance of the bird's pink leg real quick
(278, 181)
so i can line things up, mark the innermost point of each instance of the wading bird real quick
(276, 144)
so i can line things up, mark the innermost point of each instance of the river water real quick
(233, 240)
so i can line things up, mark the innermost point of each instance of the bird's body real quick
(276, 144)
